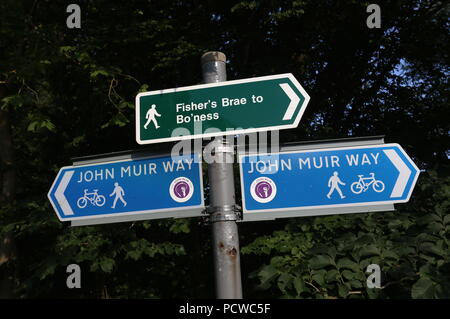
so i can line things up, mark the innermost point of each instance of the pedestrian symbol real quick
(119, 192)
(150, 116)
(334, 183)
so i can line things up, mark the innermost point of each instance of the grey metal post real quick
(225, 239)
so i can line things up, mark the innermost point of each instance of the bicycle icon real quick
(363, 184)
(94, 198)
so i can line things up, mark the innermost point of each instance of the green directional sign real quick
(234, 107)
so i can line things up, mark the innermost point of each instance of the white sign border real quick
(201, 206)
(301, 208)
(231, 132)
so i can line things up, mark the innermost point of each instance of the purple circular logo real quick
(181, 189)
(263, 189)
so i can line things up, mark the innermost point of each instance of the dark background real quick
(70, 92)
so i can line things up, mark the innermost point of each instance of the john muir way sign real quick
(233, 107)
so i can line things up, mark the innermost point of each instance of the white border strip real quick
(395, 145)
(59, 193)
(249, 217)
(290, 76)
(99, 217)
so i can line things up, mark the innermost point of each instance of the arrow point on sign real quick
(294, 101)
(59, 193)
(403, 177)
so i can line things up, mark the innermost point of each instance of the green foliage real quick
(411, 247)
(69, 93)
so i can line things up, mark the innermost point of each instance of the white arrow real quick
(294, 101)
(59, 194)
(403, 177)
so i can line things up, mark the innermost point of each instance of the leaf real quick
(48, 269)
(284, 281)
(299, 285)
(365, 239)
(395, 223)
(373, 293)
(319, 277)
(332, 252)
(405, 250)
(96, 73)
(447, 219)
(66, 49)
(267, 274)
(36, 125)
(134, 254)
(423, 289)
(49, 125)
(77, 140)
(32, 126)
(125, 104)
(389, 254)
(356, 284)
(343, 291)
(427, 219)
(107, 264)
(347, 274)
(121, 120)
(435, 227)
(180, 226)
(14, 101)
(332, 276)
(179, 250)
(321, 249)
(320, 261)
(169, 249)
(432, 248)
(369, 250)
(347, 263)
(143, 88)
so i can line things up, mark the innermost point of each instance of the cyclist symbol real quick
(94, 198)
(364, 183)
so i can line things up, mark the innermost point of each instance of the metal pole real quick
(223, 217)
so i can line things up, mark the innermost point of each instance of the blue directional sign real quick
(326, 178)
(155, 187)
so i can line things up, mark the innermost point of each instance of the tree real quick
(70, 92)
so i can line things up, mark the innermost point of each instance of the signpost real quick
(146, 188)
(325, 181)
(222, 208)
(216, 109)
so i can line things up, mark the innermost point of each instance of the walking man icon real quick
(119, 192)
(150, 116)
(334, 183)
